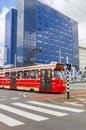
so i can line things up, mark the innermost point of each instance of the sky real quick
(5, 5)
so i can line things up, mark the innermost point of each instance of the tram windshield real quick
(58, 74)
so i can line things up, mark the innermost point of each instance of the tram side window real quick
(49, 73)
(46, 72)
(34, 74)
(58, 74)
(7, 75)
(43, 73)
(20, 74)
(13, 75)
(26, 74)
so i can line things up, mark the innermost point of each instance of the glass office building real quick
(45, 35)
(10, 38)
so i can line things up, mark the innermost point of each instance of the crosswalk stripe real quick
(9, 121)
(56, 106)
(2, 99)
(23, 113)
(51, 112)
(14, 98)
(3, 96)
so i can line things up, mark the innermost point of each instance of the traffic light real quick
(68, 66)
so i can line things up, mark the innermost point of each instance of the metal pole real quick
(67, 84)
(66, 59)
(59, 55)
(15, 60)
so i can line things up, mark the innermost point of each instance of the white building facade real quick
(82, 58)
(2, 52)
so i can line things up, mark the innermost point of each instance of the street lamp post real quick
(59, 55)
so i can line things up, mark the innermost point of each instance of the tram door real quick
(13, 80)
(46, 79)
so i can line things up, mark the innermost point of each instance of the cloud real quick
(59, 5)
(2, 24)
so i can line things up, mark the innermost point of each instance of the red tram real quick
(40, 78)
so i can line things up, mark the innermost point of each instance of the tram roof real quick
(39, 66)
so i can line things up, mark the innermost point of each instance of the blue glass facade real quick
(26, 31)
(41, 27)
(10, 38)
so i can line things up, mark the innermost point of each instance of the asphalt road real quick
(19, 112)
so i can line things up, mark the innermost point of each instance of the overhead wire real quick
(68, 1)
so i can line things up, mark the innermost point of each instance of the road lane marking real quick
(9, 121)
(74, 103)
(81, 99)
(23, 113)
(56, 106)
(27, 94)
(3, 96)
(2, 99)
(51, 112)
(14, 98)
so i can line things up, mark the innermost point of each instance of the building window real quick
(39, 35)
(39, 41)
(39, 29)
(39, 17)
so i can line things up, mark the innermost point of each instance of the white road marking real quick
(74, 103)
(23, 113)
(3, 96)
(27, 94)
(57, 106)
(9, 121)
(81, 99)
(51, 112)
(2, 99)
(14, 98)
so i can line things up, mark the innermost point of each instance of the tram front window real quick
(58, 74)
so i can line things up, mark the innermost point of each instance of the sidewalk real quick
(76, 98)
(44, 96)
(73, 96)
